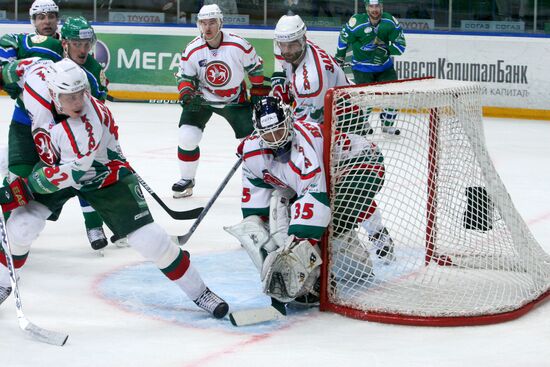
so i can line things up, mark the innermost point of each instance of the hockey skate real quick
(4, 293)
(384, 244)
(119, 242)
(391, 131)
(211, 302)
(97, 238)
(183, 188)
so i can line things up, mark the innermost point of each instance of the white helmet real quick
(65, 77)
(43, 6)
(211, 11)
(290, 28)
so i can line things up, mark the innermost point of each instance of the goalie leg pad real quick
(254, 238)
(351, 260)
(291, 271)
(279, 218)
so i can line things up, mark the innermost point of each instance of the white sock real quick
(191, 283)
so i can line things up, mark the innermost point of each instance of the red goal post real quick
(463, 254)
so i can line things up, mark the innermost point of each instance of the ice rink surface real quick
(121, 312)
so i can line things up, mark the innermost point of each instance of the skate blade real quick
(182, 194)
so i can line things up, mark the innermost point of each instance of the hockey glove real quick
(380, 55)
(279, 88)
(257, 92)
(9, 78)
(340, 61)
(186, 95)
(15, 194)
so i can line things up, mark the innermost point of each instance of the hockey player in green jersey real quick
(78, 39)
(374, 37)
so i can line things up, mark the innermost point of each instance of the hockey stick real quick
(182, 240)
(254, 316)
(183, 215)
(169, 101)
(32, 330)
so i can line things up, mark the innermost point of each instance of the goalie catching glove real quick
(15, 194)
(292, 270)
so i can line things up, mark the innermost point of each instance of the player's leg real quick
(388, 115)
(354, 195)
(240, 119)
(24, 226)
(94, 226)
(191, 126)
(125, 211)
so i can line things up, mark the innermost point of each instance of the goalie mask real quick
(78, 38)
(67, 84)
(273, 123)
(290, 38)
(210, 21)
(44, 15)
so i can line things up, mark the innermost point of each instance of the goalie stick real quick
(182, 240)
(179, 215)
(32, 330)
(254, 316)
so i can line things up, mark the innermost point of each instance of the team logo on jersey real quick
(352, 22)
(368, 30)
(218, 73)
(38, 39)
(43, 144)
(272, 180)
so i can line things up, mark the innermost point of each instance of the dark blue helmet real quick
(272, 122)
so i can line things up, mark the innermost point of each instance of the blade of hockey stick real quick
(42, 335)
(255, 316)
(179, 215)
(182, 240)
(277, 311)
(32, 330)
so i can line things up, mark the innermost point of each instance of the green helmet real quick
(77, 28)
(374, 2)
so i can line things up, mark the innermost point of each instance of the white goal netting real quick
(460, 248)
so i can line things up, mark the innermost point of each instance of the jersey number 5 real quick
(305, 212)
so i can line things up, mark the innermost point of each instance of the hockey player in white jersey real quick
(308, 71)
(211, 79)
(77, 141)
(285, 203)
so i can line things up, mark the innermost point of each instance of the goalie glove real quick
(292, 270)
(15, 194)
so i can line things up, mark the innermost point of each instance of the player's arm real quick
(344, 40)
(186, 79)
(256, 195)
(98, 80)
(49, 179)
(8, 48)
(396, 43)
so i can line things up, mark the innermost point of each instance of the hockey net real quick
(463, 254)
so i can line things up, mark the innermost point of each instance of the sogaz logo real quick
(102, 54)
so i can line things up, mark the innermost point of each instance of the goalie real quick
(285, 203)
